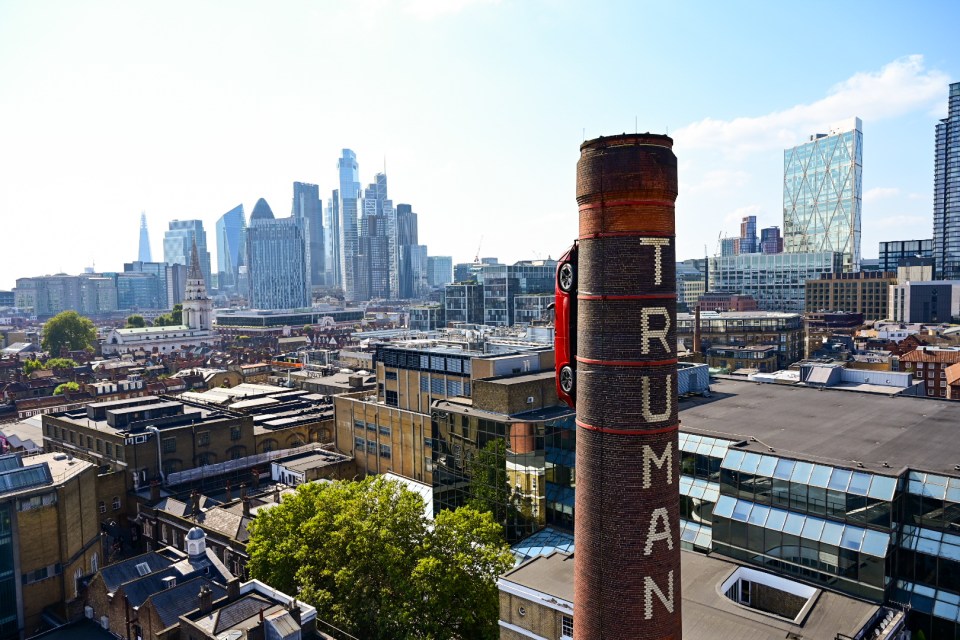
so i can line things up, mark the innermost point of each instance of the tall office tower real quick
(178, 242)
(892, 252)
(231, 230)
(627, 525)
(439, 270)
(770, 240)
(333, 249)
(279, 276)
(748, 235)
(822, 193)
(308, 208)
(143, 255)
(376, 202)
(372, 269)
(946, 192)
(349, 210)
(407, 239)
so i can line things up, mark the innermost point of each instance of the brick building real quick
(49, 538)
(930, 364)
(747, 328)
(726, 301)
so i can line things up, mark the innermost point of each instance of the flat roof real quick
(707, 613)
(835, 427)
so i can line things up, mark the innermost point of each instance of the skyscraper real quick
(439, 270)
(333, 248)
(276, 258)
(231, 229)
(349, 203)
(946, 191)
(748, 235)
(308, 208)
(178, 243)
(143, 255)
(376, 202)
(407, 236)
(770, 240)
(822, 193)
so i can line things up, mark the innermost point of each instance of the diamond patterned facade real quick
(822, 194)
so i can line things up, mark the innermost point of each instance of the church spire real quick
(194, 273)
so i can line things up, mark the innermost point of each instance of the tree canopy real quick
(65, 387)
(175, 317)
(135, 321)
(365, 555)
(70, 330)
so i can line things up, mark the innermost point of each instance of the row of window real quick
(361, 444)
(102, 507)
(88, 442)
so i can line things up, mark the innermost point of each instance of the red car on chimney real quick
(565, 327)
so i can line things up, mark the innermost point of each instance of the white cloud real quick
(429, 9)
(901, 222)
(735, 216)
(718, 179)
(880, 193)
(901, 86)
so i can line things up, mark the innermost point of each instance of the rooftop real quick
(835, 427)
(707, 613)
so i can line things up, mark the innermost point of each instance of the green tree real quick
(70, 330)
(364, 554)
(59, 364)
(65, 387)
(175, 317)
(135, 322)
(32, 365)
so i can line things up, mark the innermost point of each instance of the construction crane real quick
(476, 258)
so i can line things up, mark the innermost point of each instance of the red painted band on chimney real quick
(619, 234)
(628, 432)
(626, 203)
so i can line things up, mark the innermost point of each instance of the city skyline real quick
(501, 112)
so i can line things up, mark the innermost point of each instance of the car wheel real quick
(566, 379)
(565, 277)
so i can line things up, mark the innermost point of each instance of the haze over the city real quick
(476, 109)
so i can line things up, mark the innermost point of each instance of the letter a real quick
(653, 535)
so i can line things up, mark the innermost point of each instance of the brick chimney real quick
(627, 564)
(233, 589)
(154, 491)
(256, 479)
(206, 599)
(246, 506)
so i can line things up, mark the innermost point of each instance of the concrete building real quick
(503, 283)
(928, 302)
(865, 292)
(426, 317)
(725, 301)
(823, 193)
(720, 599)
(747, 328)
(88, 294)
(49, 538)
(277, 261)
(463, 302)
(946, 191)
(776, 281)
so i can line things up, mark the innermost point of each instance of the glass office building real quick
(277, 260)
(231, 233)
(946, 191)
(822, 194)
(777, 281)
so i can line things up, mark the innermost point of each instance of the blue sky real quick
(477, 107)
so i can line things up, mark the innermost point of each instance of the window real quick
(390, 375)
(102, 507)
(566, 626)
(203, 438)
(391, 399)
(116, 503)
(89, 442)
(234, 433)
(72, 434)
(169, 445)
(119, 452)
(384, 430)
(385, 451)
(109, 449)
(99, 445)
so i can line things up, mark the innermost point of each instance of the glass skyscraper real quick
(822, 194)
(178, 242)
(946, 192)
(143, 253)
(231, 229)
(276, 258)
(308, 208)
(349, 210)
